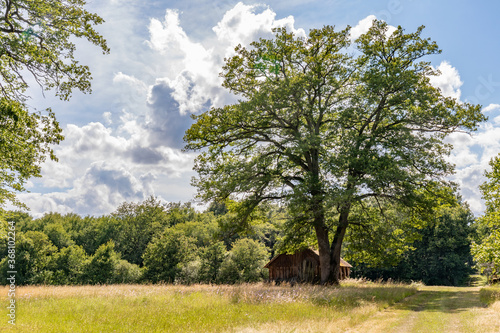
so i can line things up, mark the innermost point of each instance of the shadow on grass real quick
(442, 301)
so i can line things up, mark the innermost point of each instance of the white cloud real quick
(99, 191)
(107, 118)
(491, 107)
(362, 27)
(365, 24)
(448, 81)
(246, 23)
(472, 154)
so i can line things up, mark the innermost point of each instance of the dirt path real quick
(436, 309)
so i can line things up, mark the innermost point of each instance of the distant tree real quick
(487, 250)
(58, 235)
(323, 129)
(434, 248)
(33, 253)
(211, 258)
(166, 255)
(244, 262)
(203, 229)
(180, 213)
(101, 267)
(92, 232)
(218, 208)
(137, 223)
(443, 255)
(381, 233)
(69, 265)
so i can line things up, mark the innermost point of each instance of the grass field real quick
(356, 306)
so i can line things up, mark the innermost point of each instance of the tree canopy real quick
(36, 42)
(25, 140)
(434, 249)
(323, 125)
(36, 37)
(487, 251)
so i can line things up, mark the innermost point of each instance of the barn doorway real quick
(308, 269)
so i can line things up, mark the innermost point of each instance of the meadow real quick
(198, 308)
(355, 306)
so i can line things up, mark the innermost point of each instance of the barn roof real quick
(343, 263)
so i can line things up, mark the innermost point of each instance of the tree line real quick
(152, 242)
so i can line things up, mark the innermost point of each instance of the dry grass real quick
(356, 306)
(199, 308)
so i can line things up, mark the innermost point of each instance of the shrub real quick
(244, 262)
(125, 272)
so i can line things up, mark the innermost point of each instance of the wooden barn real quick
(301, 266)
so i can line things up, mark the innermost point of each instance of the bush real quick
(244, 262)
(125, 272)
(189, 273)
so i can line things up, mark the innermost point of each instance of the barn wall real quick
(289, 266)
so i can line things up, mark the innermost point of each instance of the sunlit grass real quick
(490, 294)
(198, 308)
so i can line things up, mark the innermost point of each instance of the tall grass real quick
(490, 294)
(198, 308)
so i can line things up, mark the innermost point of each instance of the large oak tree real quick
(324, 124)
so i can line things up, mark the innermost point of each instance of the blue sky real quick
(123, 141)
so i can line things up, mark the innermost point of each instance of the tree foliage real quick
(487, 251)
(37, 38)
(166, 255)
(37, 42)
(137, 223)
(25, 140)
(328, 129)
(69, 265)
(33, 255)
(434, 249)
(381, 233)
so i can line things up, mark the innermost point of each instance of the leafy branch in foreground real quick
(25, 143)
(37, 44)
(36, 38)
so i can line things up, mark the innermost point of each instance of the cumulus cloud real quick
(99, 191)
(448, 81)
(471, 155)
(365, 24)
(151, 87)
(246, 23)
(166, 124)
(491, 107)
(362, 27)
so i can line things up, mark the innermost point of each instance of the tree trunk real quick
(337, 244)
(324, 253)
